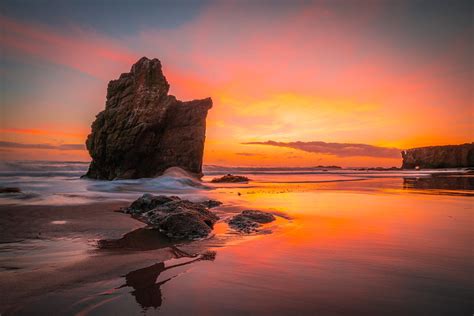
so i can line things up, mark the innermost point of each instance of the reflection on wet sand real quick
(439, 182)
(146, 290)
(139, 239)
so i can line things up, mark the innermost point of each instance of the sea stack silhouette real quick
(143, 131)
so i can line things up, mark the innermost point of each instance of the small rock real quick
(229, 178)
(249, 221)
(9, 190)
(258, 216)
(211, 203)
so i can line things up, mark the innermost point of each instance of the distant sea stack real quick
(450, 156)
(143, 131)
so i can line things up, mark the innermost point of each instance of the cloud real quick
(247, 154)
(36, 132)
(336, 149)
(4, 144)
(83, 50)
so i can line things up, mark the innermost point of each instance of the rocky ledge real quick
(9, 190)
(450, 156)
(250, 221)
(229, 178)
(143, 131)
(174, 217)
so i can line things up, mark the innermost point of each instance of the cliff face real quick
(143, 130)
(451, 156)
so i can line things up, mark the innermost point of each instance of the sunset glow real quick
(313, 72)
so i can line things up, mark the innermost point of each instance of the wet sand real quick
(49, 249)
(369, 247)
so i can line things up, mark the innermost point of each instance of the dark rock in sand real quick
(174, 217)
(229, 178)
(451, 156)
(249, 221)
(147, 202)
(10, 190)
(143, 131)
(211, 203)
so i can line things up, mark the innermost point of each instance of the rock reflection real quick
(139, 239)
(440, 183)
(146, 289)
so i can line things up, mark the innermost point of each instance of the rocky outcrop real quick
(143, 131)
(9, 190)
(174, 217)
(249, 221)
(451, 156)
(229, 178)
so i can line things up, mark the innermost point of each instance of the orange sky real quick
(304, 73)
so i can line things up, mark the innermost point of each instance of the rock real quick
(211, 203)
(451, 156)
(174, 217)
(9, 190)
(143, 131)
(229, 178)
(183, 224)
(147, 202)
(249, 221)
(258, 216)
(243, 224)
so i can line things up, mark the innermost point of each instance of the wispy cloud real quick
(247, 154)
(4, 144)
(336, 149)
(85, 51)
(41, 132)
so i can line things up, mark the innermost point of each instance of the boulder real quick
(174, 217)
(450, 156)
(143, 131)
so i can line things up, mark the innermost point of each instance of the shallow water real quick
(349, 243)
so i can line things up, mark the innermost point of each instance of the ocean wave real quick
(173, 180)
(42, 168)
(67, 187)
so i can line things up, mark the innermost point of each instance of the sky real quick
(307, 83)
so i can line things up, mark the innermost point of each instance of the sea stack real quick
(143, 131)
(450, 156)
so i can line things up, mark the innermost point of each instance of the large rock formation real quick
(143, 130)
(451, 156)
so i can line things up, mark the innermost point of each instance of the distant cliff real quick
(143, 131)
(450, 156)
